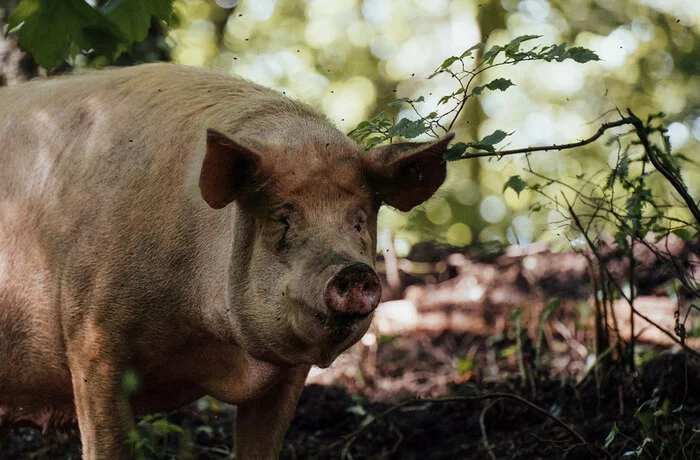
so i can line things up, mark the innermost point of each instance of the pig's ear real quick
(406, 174)
(229, 168)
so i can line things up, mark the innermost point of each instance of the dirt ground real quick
(485, 353)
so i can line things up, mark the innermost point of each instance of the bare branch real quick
(604, 127)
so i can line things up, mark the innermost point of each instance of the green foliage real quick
(152, 435)
(516, 183)
(614, 431)
(50, 30)
(500, 84)
(406, 128)
(487, 144)
(655, 440)
(464, 69)
(465, 365)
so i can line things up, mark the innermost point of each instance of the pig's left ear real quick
(406, 174)
(228, 170)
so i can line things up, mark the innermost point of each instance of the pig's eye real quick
(283, 217)
(284, 220)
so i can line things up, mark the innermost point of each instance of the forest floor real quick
(480, 353)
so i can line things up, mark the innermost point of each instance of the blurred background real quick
(350, 57)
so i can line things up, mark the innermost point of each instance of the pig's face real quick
(302, 283)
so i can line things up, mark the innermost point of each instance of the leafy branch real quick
(50, 30)
(384, 128)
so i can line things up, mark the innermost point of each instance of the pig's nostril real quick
(354, 290)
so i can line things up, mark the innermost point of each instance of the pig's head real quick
(302, 287)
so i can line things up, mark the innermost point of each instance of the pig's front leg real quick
(104, 414)
(261, 423)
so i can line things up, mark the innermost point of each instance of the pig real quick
(201, 232)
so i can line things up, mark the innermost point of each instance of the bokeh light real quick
(350, 57)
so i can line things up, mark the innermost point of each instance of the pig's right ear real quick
(406, 174)
(228, 170)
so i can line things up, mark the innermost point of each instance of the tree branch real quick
(643, 134)
(604, 127)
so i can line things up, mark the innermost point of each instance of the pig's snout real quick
(354, 291)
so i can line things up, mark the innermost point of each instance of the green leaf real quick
(488, 142)
(582, 55)
(133, 17)
(491, 54)
(467, 53)
(495, 137)
(45, 32)
(98, 39)
(455, 152)
(683, 233)
(645, 418)
(163, 427)
(477, 145)
(408, 128)
(49, 29)
(513, 47)
(465, 365)
(162, 9)
(554, 52)
(500, 84)
(448, 62)
(614, 431)
(516, 183)
(522, 38)
(404, 100)
(444, 99)
(24, 11)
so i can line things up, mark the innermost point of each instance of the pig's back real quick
(93, 189)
